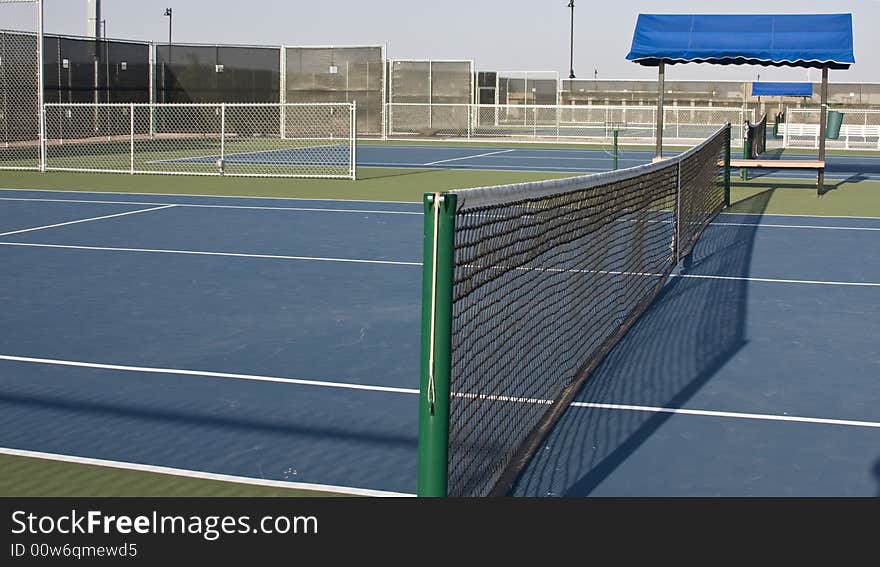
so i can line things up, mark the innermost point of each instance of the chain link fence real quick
(259, 140)
(860, 129)
(20, 86)
(634, 124)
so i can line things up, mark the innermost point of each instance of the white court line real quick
(203, 196)
(199, 474)
(384, 212)
(776, 280)
(199, 160)
(201, 206)
(783, 215)
(469, 157)
(526, 146)
(414, 391)
(738, 415)
(86, 220)
(545, 158)
(458, 166)
(200, 253)
(413, 203)
(208, 374)
(817, 227)
(419, 264)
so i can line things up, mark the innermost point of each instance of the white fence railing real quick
(634, 124)
(256, 140)
(860, 129)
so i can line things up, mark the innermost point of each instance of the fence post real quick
(43, 136)
(131, 131)
(222, 136)
(282, 94)
(152, 87)
(41, 86)
(352, 139)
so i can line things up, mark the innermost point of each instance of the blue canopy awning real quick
(797, 40)
(782, 89)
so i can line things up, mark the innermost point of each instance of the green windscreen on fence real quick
(87, 70)
(339, 74)
(217, 73)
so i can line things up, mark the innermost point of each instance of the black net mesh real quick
(758, 138)
(548, 277)
(702, 191)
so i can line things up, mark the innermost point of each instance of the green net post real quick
(727, 170)
(436, 344)
(765, 132)
(747, 146)
(616, 132)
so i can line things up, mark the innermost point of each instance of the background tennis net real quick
(527, 287)
(758, 138)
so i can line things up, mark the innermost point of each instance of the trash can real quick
(832, 128)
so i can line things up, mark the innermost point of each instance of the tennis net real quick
(758, 138)
(527, 287)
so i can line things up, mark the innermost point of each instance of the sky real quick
(500, 35)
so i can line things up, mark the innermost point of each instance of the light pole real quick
(166, 66)
(169, 12)
(571, 36)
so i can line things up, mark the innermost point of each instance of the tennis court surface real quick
(277, 339)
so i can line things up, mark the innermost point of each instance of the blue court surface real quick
(279, 339)
(571, 160)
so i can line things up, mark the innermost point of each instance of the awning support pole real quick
(823, 117)
(661, 89)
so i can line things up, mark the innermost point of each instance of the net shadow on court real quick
(693, 328)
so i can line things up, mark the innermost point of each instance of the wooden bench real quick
(818, 166)
(777, 164)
